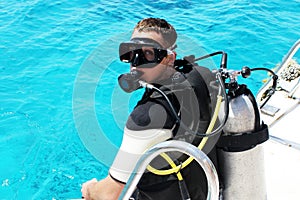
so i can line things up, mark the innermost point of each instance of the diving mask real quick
(142, 52)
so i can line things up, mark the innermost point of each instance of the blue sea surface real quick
(59, 67)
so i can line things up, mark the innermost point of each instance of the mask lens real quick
(142, 54)
(126, 57)
(126, 52)
(149, 54)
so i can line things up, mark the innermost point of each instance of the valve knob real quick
(246, 71)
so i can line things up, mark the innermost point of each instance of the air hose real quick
(176, 168)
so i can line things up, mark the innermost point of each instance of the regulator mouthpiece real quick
(129, 82)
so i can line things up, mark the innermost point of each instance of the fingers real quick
(85, 186)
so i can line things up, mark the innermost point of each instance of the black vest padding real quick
(192, 97)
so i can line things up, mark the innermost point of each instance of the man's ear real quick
(171, 58)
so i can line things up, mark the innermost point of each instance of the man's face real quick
(158, 72)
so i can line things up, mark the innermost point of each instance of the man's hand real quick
(107, 189)
(86, 186)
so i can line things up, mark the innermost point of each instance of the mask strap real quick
(174, 46)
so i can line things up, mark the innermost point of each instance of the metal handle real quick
(184, 147)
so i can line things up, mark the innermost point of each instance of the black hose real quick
(178, 120)
(274, 84)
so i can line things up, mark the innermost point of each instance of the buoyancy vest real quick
(193, 99)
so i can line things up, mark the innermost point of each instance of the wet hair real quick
(159, 26)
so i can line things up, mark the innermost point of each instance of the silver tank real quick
(242, 172)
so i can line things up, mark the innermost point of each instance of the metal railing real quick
(183, 147)
(290, 54)
(285, 61)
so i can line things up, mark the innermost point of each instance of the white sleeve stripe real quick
(134, 144)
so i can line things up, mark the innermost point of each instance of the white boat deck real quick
(282, 169)
(282, 150)
(282, 154)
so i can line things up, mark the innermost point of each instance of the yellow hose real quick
(176, 169)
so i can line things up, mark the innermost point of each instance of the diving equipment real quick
(142, 52)
(129, 82)
(240, 156)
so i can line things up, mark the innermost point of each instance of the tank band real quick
(244, 141)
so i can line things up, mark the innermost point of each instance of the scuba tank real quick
(241, 157)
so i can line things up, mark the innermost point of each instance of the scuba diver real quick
(152, 57)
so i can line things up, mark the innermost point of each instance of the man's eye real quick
(149, 54)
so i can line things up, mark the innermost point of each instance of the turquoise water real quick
(58, 65)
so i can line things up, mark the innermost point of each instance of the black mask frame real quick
(132, 52)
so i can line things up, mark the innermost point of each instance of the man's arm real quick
(105, 189)
(138, 136)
